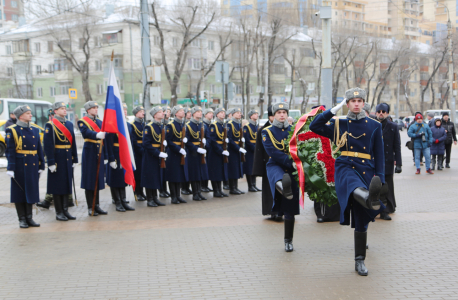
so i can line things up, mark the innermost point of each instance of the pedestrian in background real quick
(422, 138)
(430, 119)
(438, 146)
(413, 150)
(451, 138)
(11, 121)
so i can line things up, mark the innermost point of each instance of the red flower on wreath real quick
(325, 156)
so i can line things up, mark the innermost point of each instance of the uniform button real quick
(23, 136)
(33, 164)
(363, 160)
(366, 121)
(25, 145)
(34, 145)
(364, 172)
(67, 150)
(349, 121)
(33, 136)
(353, 167)
(364, 134)
(67, 158)
(26, 164)
(351, 147)
(282, 130)
(364, 147)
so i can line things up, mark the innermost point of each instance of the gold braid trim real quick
(175, 132)
(339, 141)
(137, 131)
(236, 133)
(87, 124)
(195, 135)
(220, 135)
(253, 135)
(17, 140)
(60, 135)
(156, 137)
(275, 142)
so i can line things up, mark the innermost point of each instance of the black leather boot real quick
(237, 186)
(253, 179)
(44, 204)
(156, 199)
(284, 187)
(220, 183)
(360, 253)
(205, 188)
(249, 181)
(21, 212)
(29, 216)
(199, 189)
(185, 190)
(65, 205)
(447, 165)
(226, 185)
(433, 163)
(173, 192)
(58, 205)
(163, 191)
(124, 203)
(195, 191)
(89, 198)
(149, 198)
(98, 209)
(216, 193)
(117, 199)
(233, 187)
(139, 193)
(177, 191)
(385, 216)
(289, 231)
(369, 198)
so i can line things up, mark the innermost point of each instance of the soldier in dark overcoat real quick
(280, 169)
(195, 152)
(152, 174)
(359, 170)
(392, 144)
(249, 134)
(61, 153)
(163, 190)
(206, 122)
(90, 128)
(228, 118)
(175, 172)
(136, 137)
(25, 164)
(215, 158)
(185, 186)
(234, 134)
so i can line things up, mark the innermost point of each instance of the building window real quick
(65, 44)
(14, 17)
(120, 84)
(96, 41)
(98, 65)
(14, 4)
(175, 42)
(62, 65)
(195, 43)
(51, 68)
(40, 92)
(9, 72)
(52, 91)
(38, 69)
(156, 40)
(50, 46)
(21, 46)
(112, 38)
(99, 89)
(117, 62)
(211, 45)
(37, 47)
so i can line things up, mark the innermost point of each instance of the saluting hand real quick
(336, 108)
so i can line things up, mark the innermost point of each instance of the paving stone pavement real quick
(225, 249)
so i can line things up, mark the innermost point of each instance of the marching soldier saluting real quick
(249, 134)
(280, 169)
(234, 133)
(175, 172)
(115, 172)
(152, 175)
(136, 137)
(195, 152)
(218, 170)
(25, 163)
(206, 121)
(60, 149)
(90, 130)
(359, 170)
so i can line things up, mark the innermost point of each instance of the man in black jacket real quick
(392, 144)
(11, 121)
(259, 169)
(451, 137)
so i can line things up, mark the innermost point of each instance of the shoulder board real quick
(36, 126)
(131, 122)
(170, 123)
(267, 128)
(49, 122)
(12, 126)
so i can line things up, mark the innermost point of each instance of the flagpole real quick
(100, 153)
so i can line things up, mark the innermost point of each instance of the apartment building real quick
(10, 10)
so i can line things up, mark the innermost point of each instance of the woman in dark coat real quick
(438, 146)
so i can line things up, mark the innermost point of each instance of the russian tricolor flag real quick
(114, 121)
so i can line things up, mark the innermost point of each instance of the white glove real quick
(100, 135)
(242, 150)
(294, 166)
(335, 109)
(183, 152)
(163, 155)
(105, 161)
(227, 140)
(113, 164)
(225, 152)
(204, 140)
(164, 143)
(10, 173)
(243, 140)
(201, 150)
(185, 140)
(52, 168)
(40, 171)
(74, 165)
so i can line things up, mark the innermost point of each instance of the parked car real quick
(400, 123)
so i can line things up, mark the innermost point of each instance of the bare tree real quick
(187, 19)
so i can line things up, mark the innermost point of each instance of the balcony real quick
(66, 75)
(18, 56)
(109, 48)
